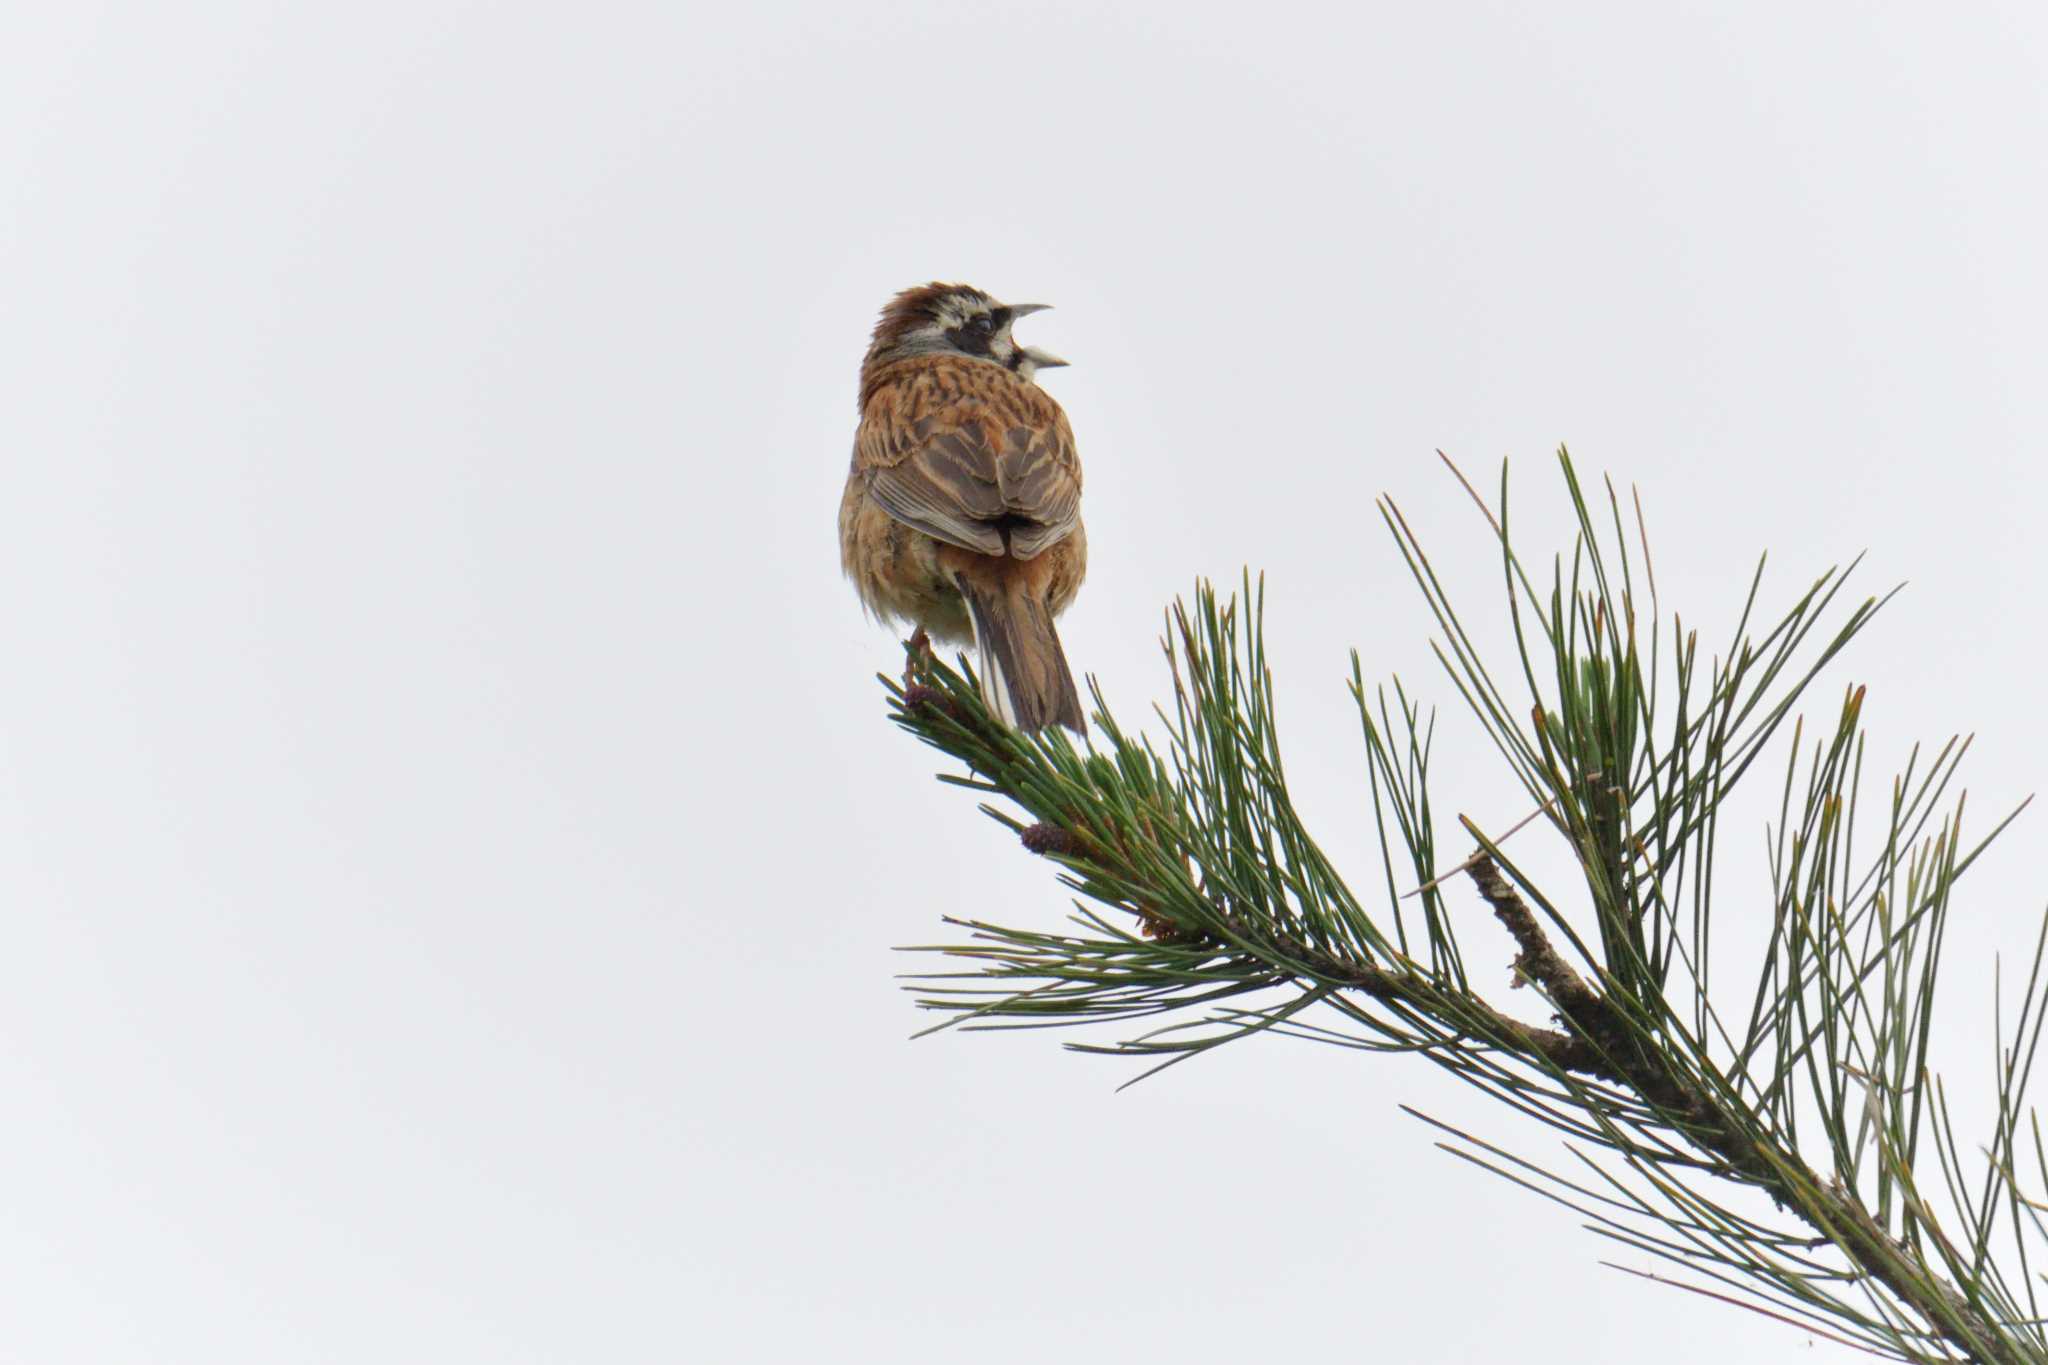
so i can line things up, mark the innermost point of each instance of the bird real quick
(962, 509)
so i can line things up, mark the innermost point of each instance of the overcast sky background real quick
(451, 847)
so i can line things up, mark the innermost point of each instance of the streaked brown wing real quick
(1042, 479)
(947, 485)
(953, 483)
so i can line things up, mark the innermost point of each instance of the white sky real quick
(451, 845)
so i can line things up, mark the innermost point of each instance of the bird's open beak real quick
(1044, 360)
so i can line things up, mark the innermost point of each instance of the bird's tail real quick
(1024, 675)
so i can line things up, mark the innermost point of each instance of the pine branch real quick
(1203, 895)
(1837, 1216)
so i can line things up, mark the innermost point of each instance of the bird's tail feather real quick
(1024, 675)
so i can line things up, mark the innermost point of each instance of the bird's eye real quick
(982, 325)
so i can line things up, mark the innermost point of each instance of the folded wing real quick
(994, 490)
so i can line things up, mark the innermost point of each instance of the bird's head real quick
(943, 319)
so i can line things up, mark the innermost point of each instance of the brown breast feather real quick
(968, 453)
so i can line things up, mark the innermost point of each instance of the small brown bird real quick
(962, 511)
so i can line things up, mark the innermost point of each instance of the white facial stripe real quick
(956, 310)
